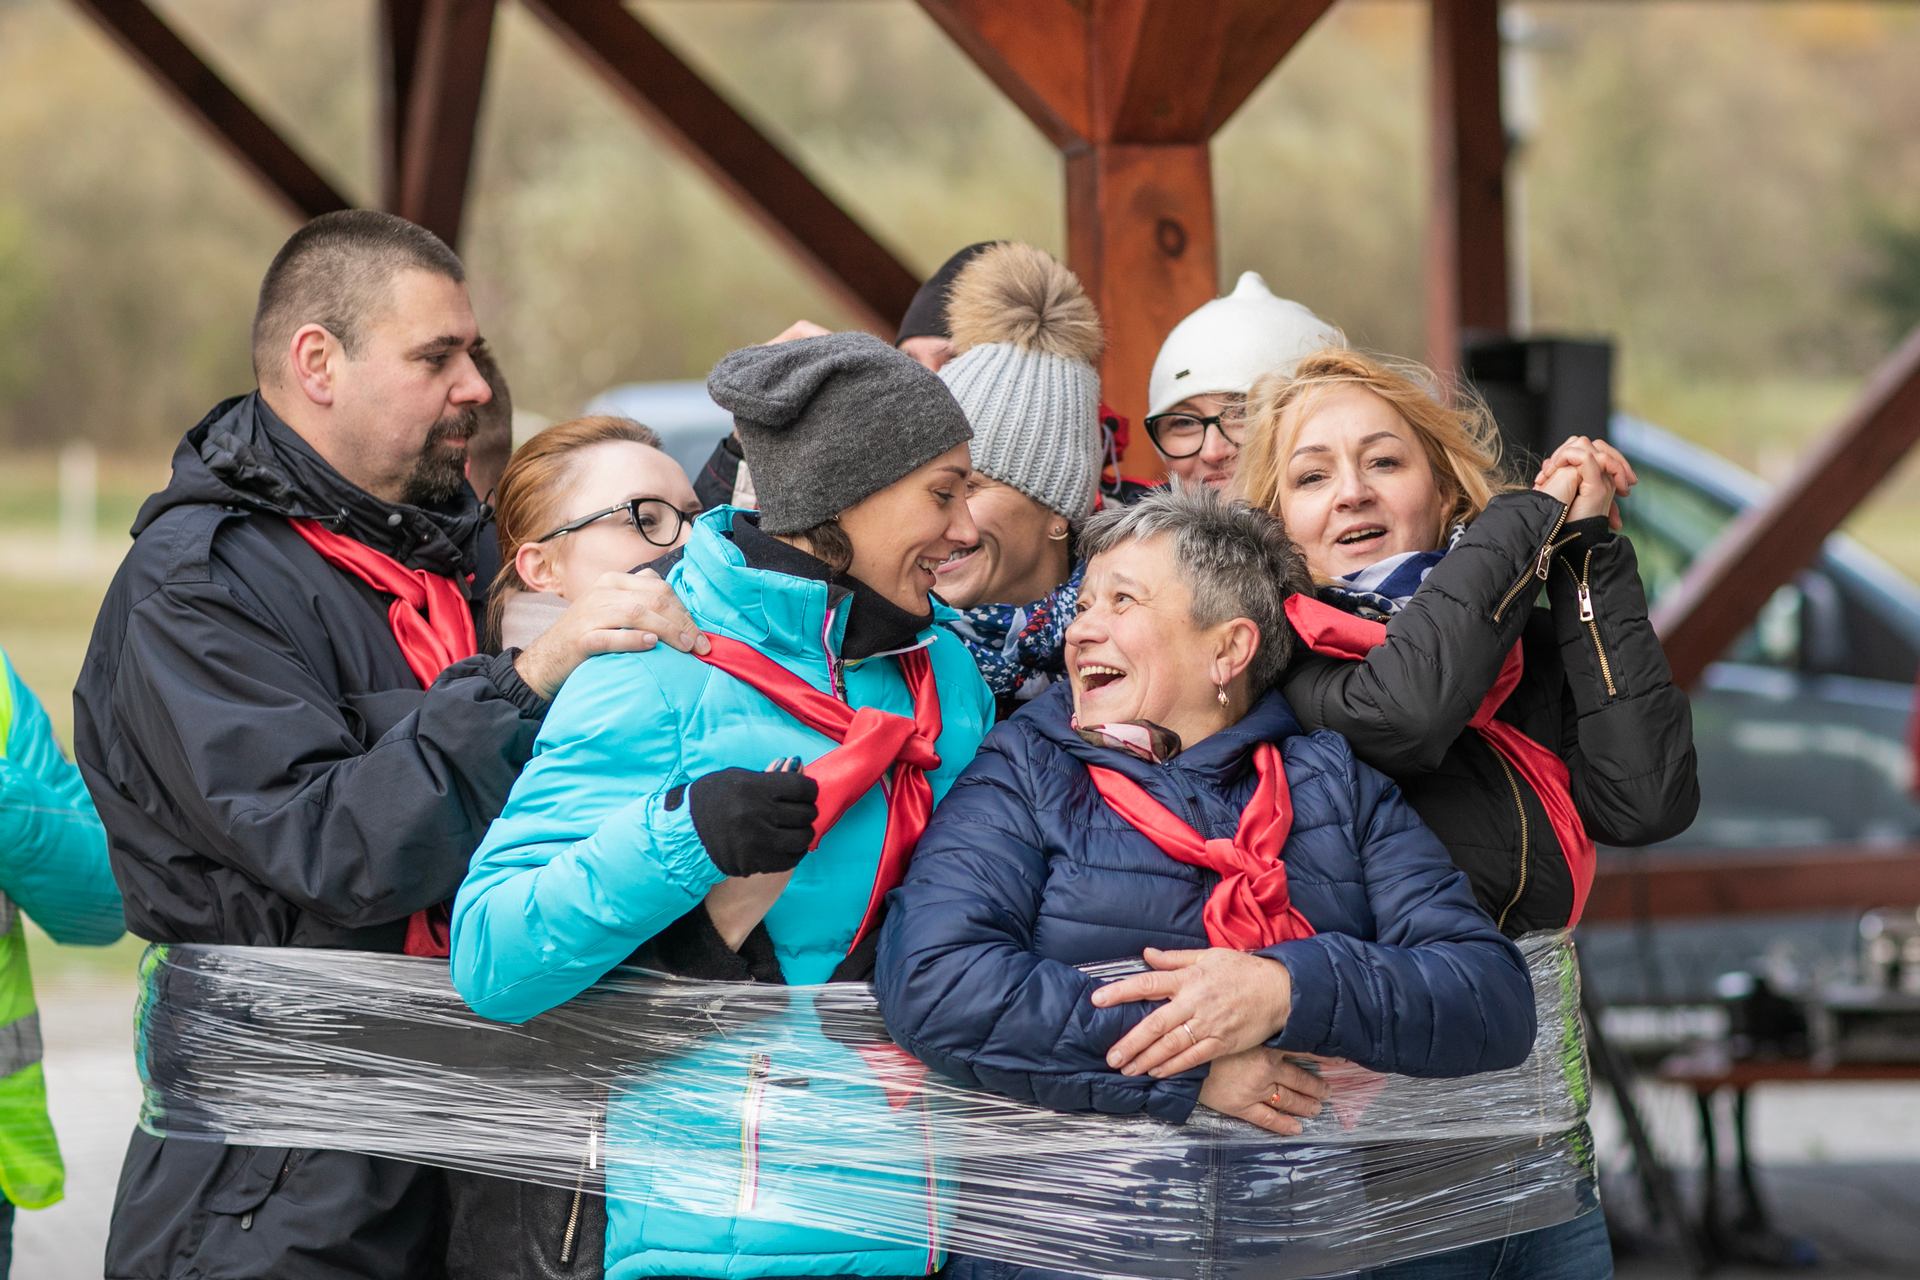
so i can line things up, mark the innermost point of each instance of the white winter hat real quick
(1226, 344)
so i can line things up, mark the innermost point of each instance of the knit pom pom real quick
(1018, 294)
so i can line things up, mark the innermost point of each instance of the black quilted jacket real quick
(1596, 690)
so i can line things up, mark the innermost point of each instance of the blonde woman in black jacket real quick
(1521, 735)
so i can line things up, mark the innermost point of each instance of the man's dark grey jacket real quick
(271, 774)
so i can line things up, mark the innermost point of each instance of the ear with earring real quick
(1220, 691)
(1057, 535)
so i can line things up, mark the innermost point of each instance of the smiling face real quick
(1356, 485)
(905, 532)
(1134, 651)
(1021, 554)
(1213, 465)
(601, 476)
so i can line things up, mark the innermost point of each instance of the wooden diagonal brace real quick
(1767, 545)
(195, 86)
(706, 128)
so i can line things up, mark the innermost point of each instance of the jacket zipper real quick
(1519, 807)
(592, 1162)
(1542, 564)
(836, 678)
(1588, 616)
(759, 1067)
(246, 1219)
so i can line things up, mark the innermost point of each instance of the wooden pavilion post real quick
(1132, 92)
(1467, 275)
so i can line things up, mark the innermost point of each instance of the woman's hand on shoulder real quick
(1218, 1001)
(1265, 1087)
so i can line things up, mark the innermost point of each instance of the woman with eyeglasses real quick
(584, 498)
(1197, 394)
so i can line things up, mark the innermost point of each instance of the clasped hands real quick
(1587, 475)
(1222, 1006)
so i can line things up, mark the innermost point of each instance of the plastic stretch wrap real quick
(789, 1105)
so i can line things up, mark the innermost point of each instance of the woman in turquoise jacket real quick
(53, 870)
(663, 819)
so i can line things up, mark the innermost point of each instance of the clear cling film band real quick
(790, 1105)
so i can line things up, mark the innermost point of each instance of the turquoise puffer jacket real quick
(53, 850)
(588, 862)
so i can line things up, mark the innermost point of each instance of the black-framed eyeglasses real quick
(1181, 435)
(656, 519)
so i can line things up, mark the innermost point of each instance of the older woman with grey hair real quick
(1164, 803)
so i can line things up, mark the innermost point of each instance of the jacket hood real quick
(1219, 757)
(242, 455)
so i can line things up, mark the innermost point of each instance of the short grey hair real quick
(1237, 560)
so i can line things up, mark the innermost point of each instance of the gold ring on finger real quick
(1192, 1039)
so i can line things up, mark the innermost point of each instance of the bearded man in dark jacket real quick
(252, 724)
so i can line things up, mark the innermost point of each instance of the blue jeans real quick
(6, 1237)
(1576, 1250)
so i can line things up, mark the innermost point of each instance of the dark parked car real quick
(1802, 729)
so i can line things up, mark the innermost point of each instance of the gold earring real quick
(1058, 535)
(1220, 691)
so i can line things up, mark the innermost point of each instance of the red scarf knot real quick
(1251, 907)
(872, 743)
(433, 625)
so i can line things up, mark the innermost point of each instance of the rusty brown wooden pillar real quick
(1132, 92)
(1141, 235)
(442, 116)
(1467, 273)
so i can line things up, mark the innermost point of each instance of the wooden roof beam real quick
(211, 102)
(1167, 71)
(1126, 71)
(708, 130)
(1685, 885)
(443, 113)
(1035, 52)
(1767, 545)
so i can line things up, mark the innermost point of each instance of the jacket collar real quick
(241, 454)
(782, 602)
(1218, 758)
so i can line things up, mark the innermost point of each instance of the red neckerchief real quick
(872, 742)
(434, 627)
(1250, 908)
(1339, 634)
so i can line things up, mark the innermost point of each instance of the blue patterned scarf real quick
(1383, 588)
(1021, 649)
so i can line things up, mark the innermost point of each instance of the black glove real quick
(753, 823)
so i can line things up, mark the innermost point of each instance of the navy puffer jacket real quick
(1025, 873)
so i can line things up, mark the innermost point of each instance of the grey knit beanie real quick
(1028, 337)
(827, 421)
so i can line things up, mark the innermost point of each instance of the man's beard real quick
(439, 473)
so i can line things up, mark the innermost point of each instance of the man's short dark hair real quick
(337, 272)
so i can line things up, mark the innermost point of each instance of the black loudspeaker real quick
(1541, 390)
